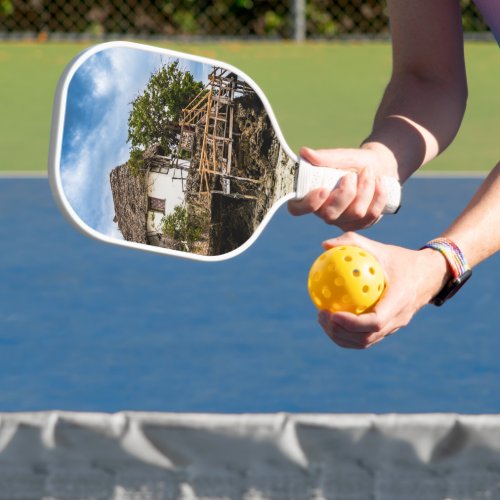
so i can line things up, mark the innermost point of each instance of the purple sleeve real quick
(490, 9)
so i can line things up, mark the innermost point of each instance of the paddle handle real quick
(312, 177)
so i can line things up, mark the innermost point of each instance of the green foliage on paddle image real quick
(136, 161)
(154, 117)
(179, 226)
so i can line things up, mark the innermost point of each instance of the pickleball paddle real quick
(173, 153)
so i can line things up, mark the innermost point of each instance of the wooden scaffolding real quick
(210, 116)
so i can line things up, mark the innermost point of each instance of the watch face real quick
(451, 288)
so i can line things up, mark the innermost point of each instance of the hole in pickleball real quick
(317, 276)
(346, 299)
(360, 309)
(366, 289)
(372, 270)
(348, 258)
(327, 293)
(362, 254)
(356, 273)
(379, 287)
(339, 281)
(317, 301)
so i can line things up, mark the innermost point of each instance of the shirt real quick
(490, 9)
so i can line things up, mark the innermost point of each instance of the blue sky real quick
(95, 131)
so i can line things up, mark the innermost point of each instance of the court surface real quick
(90, 327)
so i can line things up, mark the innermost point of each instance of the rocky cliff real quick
(258, 155)
(131, 203)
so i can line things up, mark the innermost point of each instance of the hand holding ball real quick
(346, 278)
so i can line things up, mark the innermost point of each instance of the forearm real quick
(424, 103)
(416, 121)
(477, 230)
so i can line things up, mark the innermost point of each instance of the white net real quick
(153, 456)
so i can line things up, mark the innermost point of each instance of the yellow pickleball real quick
(346, 278)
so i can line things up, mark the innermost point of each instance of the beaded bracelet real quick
(459, 267)
(452, 254)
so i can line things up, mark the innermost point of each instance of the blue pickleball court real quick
(90, 327)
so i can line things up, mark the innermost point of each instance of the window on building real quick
(156, 204)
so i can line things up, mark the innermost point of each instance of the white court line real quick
(452, 174)
(430, 174)
(40, 174)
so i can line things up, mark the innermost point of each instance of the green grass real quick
(324, 95)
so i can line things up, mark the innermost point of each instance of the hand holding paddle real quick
(359, 200)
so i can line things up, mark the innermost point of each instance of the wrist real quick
(437, 273)
(388, 165)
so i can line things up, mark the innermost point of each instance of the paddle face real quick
(166, 152)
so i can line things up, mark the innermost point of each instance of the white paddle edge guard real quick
(313, 177)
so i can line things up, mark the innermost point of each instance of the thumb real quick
(349, 238)
(354, 159)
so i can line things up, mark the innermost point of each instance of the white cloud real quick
(94, 149)
(112, 80)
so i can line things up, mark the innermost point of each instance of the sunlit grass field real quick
(324, 95)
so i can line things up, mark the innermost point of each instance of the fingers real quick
(357, 201)
(365, 330)
(371, 199)
(365, 192)
(379, 201)
(340, 198)
(348, 158)
(368, 323)
(352, 238)
(355, 213)
(355, 332)
(367, 205)
(311, 203)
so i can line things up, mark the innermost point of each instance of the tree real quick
(155, 114)
(181, 228)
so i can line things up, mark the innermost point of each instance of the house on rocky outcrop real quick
(219, 216)
(141, 199)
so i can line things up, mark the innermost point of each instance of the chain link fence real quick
(284, 19)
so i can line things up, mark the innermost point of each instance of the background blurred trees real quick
(216, 18)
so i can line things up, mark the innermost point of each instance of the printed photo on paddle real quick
(201, 174)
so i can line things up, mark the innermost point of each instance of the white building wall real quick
(165, 186)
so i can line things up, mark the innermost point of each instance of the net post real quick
(299, 20)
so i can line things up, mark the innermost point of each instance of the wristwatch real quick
(460, 270)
